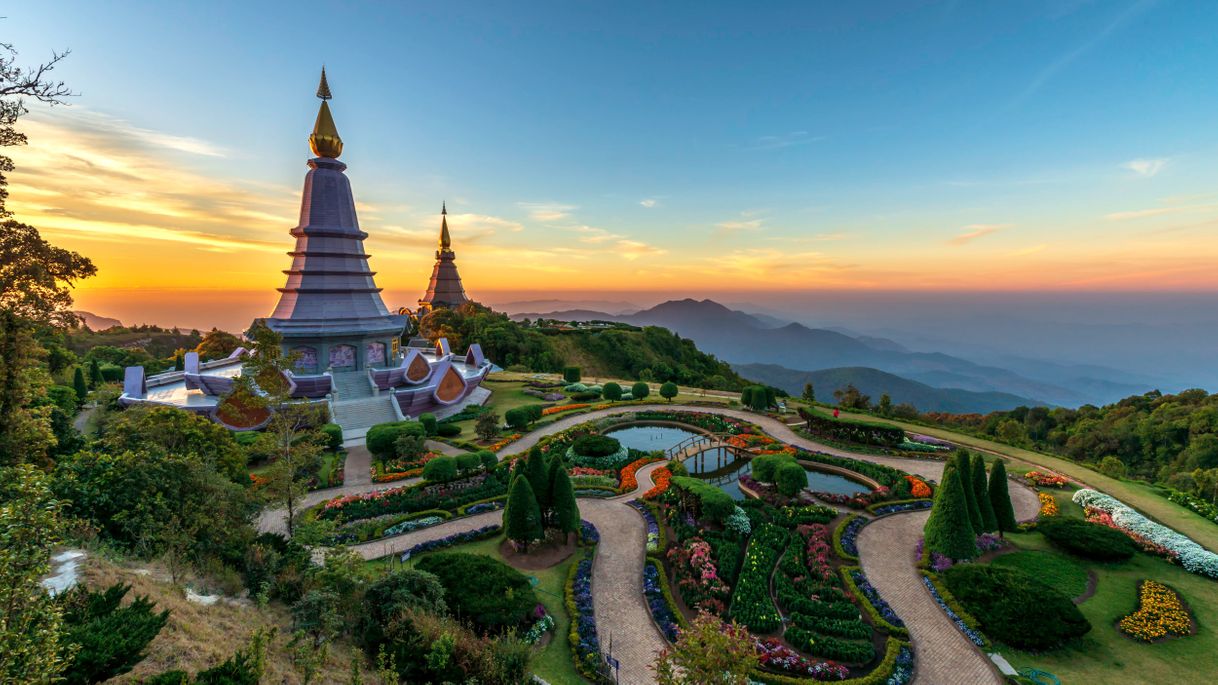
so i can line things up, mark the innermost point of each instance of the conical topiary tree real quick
(1000, 498)
(949, 531)
(566, 509)
(965, 467)
(539, 478)
(79, 385)
(522, 519)
(982, 496)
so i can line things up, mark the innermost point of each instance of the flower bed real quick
(1196, 504)
(653, 526)
(929, 440)
(1045, 480)
(482, 506)
(585, 644)
(697, 576)
(550, 411)
(845, 540)
(1160, 615)
(852, 501)
(775, 656)
(406, 499)
(589, 536)
(706, 421)
(900, 506)
(972, 634)
(882, 615)
(662, 478)
(504, 442)
(585, 471)
(629, 482)
(543, 625)
(914, 446)
(454, 539)
(659, 601)
(752, 605)
(1048, 505)
(1193, 557)
(918, 487)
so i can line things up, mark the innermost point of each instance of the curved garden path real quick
(886, 550)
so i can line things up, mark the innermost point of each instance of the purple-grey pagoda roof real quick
(329, 289)
(444, 289)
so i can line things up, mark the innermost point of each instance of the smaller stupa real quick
(444, 289)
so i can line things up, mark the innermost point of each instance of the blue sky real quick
(670, 146)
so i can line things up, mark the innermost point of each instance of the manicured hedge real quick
(830, 647)
(751, 602)
(819, 423)
(715, 504)
(1014, 607)
(893, 479)
(1087, 540)
(381, 438)
(502, 598)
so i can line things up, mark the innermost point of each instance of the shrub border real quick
(954, 604)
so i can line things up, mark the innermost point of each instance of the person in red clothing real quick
(835, 412)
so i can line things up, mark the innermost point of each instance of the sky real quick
(631, 151)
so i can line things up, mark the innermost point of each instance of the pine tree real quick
(981, 494)
(566, 509)
(949, 531)
(1000, 498)
(95, 374)
(523, 517)
(963, 464)
(809, 395)
(79, 385)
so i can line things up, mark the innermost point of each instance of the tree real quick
(640, 390)
(217, 344)
(486, 426)
(95, 374)
(790, 478)
(566, 508)
(429, 423)
(539, 480)
(850, 397)
(1000, 498)
(173, 431)
(612, 392)
(109, 638)
(885, 405)
(709, 651)
(32, 634)
(571, 374)
(668, 390)
(79, 385)
(1112, 467)
(964, 464)
(522, 522)
(989, 522)
(949, 531)
(809, 394)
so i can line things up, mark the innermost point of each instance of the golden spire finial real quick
(325, 141)
(445, 241)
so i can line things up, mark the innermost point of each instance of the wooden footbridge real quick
(725, 453)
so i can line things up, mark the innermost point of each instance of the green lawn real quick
(1058, 570)
(1105, 655)
(1141, 496)
(554, 662)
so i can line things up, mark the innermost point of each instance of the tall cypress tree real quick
(1000, 498)
(95, 374)
(539, 479)
(566, 509)
(522, 519)
(79, 385)
(949, 531)
(963, 464)
(982, 495)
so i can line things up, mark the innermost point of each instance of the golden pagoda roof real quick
(445, 241)
(325, 140)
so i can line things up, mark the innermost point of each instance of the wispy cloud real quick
(633, 249)
(1028, 250)
(1143, 213)
(649, 202)
(1145, 168)
(975, 231)
(595, 236)
(786, 140)
(547, 211)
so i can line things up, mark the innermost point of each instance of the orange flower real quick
(562, 408)
(918, 487)
(629, 481)
(504, 442)
(661, 478)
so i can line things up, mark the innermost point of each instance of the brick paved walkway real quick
(358, 470)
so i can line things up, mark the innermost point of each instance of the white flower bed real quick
(1193, 557)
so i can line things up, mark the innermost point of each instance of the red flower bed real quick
(661, 477)
(1045, 480)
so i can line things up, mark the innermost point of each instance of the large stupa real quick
(330, 311)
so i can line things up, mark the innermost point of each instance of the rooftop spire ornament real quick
(445, 241)
(324, 140)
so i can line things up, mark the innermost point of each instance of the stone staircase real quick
(357, 416)
(351, 385)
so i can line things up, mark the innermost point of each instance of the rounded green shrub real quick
(429, 422)
(440, 470)
(1015, 608)
(594, 445)
(790, 478)
(382, 437)
(468, 461)
(765, 465)
(501, 598)
(571, 374)
(640, 390)
(612, 392)
(334, 436)
(488, 459)
(448, 430)
(1088, 540)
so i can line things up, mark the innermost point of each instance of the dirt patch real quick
(539, 556)
(1092, 581)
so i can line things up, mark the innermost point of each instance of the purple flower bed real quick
(904, 506)
(902, 672)
(653, 527)
(588, 534)
(873, 596)
(928, 440)
(971, 634)
(484, 507)
(450, 540)
(850, 535)
(988, 542)
(660, 611)
(776, 656)
(589, 645)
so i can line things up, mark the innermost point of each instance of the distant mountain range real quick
(874, 382)
(744, 339)
(96, 322)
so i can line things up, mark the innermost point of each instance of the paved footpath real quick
(944, 656)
